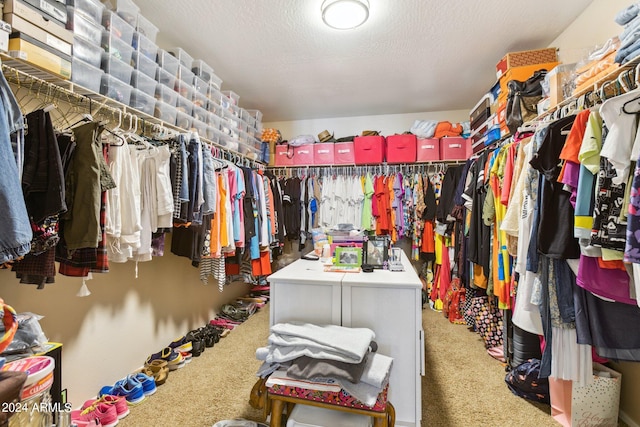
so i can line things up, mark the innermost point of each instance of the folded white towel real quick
(351, 343)
(376, 370)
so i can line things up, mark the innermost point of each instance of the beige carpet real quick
(463, 387)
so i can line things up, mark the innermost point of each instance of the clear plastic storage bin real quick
(115, 89)
(200, 113)
(247, 115)
(86, 75)
(128, 11)
(118, 69)
(186, 75)
(166, 94)
(216, 81)
(184, 58)
(92, 9)
(185, 90)
(143, 64)
(166, 78)
(83, 26)
(117, 47)
(200, 85)
(143, 102)
(202, 70)
(145, 46)
(200, 127)
(232, 96)
(183, 120)
(143, 83)
(165, 112)
(168, 62)
(184, 105)
(146, 28)
(87, 51)
(117, 26)
(213, 121)
(200, 100)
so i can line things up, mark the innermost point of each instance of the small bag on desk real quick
(522, 100)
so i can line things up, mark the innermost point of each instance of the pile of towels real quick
(325, 357)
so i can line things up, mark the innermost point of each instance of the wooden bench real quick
(277, 400)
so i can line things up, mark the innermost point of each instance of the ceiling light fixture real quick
(345, 14)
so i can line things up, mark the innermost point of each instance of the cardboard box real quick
(48, 9)
(23, 26)
(26, 48)
(16, 7)
(526, 57)
(5, 29)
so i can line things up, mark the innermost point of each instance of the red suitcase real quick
(401, 148)
(369, 149)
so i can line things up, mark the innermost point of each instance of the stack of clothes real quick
(630, 36)
(600, 63)
(325, 358)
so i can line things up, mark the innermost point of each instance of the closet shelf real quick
(24, 74)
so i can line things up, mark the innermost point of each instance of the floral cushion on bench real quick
(341, 398)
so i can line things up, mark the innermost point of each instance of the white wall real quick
(388, 124)
(110, 333)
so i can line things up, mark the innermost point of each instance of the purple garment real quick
(632, 244)
(571, 178)
(608, 283)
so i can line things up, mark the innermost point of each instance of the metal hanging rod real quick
(24, 76)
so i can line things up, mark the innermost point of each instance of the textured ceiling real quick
(410, 56)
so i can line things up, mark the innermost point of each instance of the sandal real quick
(157, 369)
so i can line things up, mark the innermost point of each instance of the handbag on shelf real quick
(522, 100)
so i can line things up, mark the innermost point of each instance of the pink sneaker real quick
(105, 413)
(122, 409)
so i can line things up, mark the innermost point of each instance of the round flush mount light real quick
(345, 14)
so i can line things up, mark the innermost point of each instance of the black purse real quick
(522, 100)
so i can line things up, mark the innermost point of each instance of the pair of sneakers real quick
(134, 388)
(174, 358)
(96, 413)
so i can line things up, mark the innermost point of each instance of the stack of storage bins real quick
(84, 18)
(116, 41)
(143, 76)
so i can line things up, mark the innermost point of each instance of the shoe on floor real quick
(106, 414)
(186, 356)
(173, 358)
(182, 344)
(119, 402)
(147, 381)
(128, 387)
(158, 369)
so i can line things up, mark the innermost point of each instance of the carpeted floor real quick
(463, 386)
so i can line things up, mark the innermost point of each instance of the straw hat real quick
(325, 136)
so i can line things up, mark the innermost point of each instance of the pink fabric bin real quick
(455, 148)
(343, 153)
(303, 155)
(428, 150)
(323, 153)
(401, 149)
(369, 150)
(284, 155)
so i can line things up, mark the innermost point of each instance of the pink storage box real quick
(303, 155)
(323, 153)
(401, 149)
(284, 155)
(428, 150)
(455, 148)
(369, 149)
(343, 153)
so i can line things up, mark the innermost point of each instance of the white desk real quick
(389, 303)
